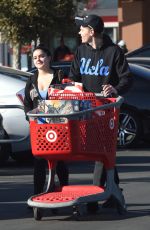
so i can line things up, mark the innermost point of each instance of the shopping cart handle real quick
(117, 104)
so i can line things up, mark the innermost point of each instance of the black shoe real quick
(110, 203)
(92, 207)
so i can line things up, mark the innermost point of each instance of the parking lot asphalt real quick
(16, 186)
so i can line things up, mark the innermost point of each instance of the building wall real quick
(146, 21)
(134, 25)
(131, 23)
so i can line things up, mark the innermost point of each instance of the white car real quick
(14, 126)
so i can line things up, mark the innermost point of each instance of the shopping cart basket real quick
(87, 135)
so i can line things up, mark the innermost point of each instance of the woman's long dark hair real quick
(44, 48)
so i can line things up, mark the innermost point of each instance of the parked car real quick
(13, 123)
(135, 112)
(140, 56)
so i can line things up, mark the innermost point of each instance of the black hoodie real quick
(104, 65)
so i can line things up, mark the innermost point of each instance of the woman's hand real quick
(109, 90)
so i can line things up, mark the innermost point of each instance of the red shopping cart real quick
(87, 135)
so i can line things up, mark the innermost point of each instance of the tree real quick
(22, 21)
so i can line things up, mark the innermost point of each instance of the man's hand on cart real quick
(109, 91)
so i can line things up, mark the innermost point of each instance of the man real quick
(101, 66)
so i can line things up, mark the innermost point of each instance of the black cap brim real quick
(79, 21)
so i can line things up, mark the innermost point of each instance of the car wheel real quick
(130, 129)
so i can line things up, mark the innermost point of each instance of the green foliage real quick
(25, 20)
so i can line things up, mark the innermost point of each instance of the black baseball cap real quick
(92, 21)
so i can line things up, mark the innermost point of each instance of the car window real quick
(9, 84)
(143, 53)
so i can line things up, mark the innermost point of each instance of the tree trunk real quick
(16, 58)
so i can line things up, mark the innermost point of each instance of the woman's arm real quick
(28, 103)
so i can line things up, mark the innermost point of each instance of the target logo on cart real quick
(51, 136)
(111, 123)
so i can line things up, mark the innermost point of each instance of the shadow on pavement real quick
(19, 211)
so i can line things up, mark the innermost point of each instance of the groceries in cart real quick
(61, 106)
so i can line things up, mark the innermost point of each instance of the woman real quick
(36, 89)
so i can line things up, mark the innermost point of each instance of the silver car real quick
(13, 124)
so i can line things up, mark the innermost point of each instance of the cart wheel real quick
(78, 212)
(37, 214)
